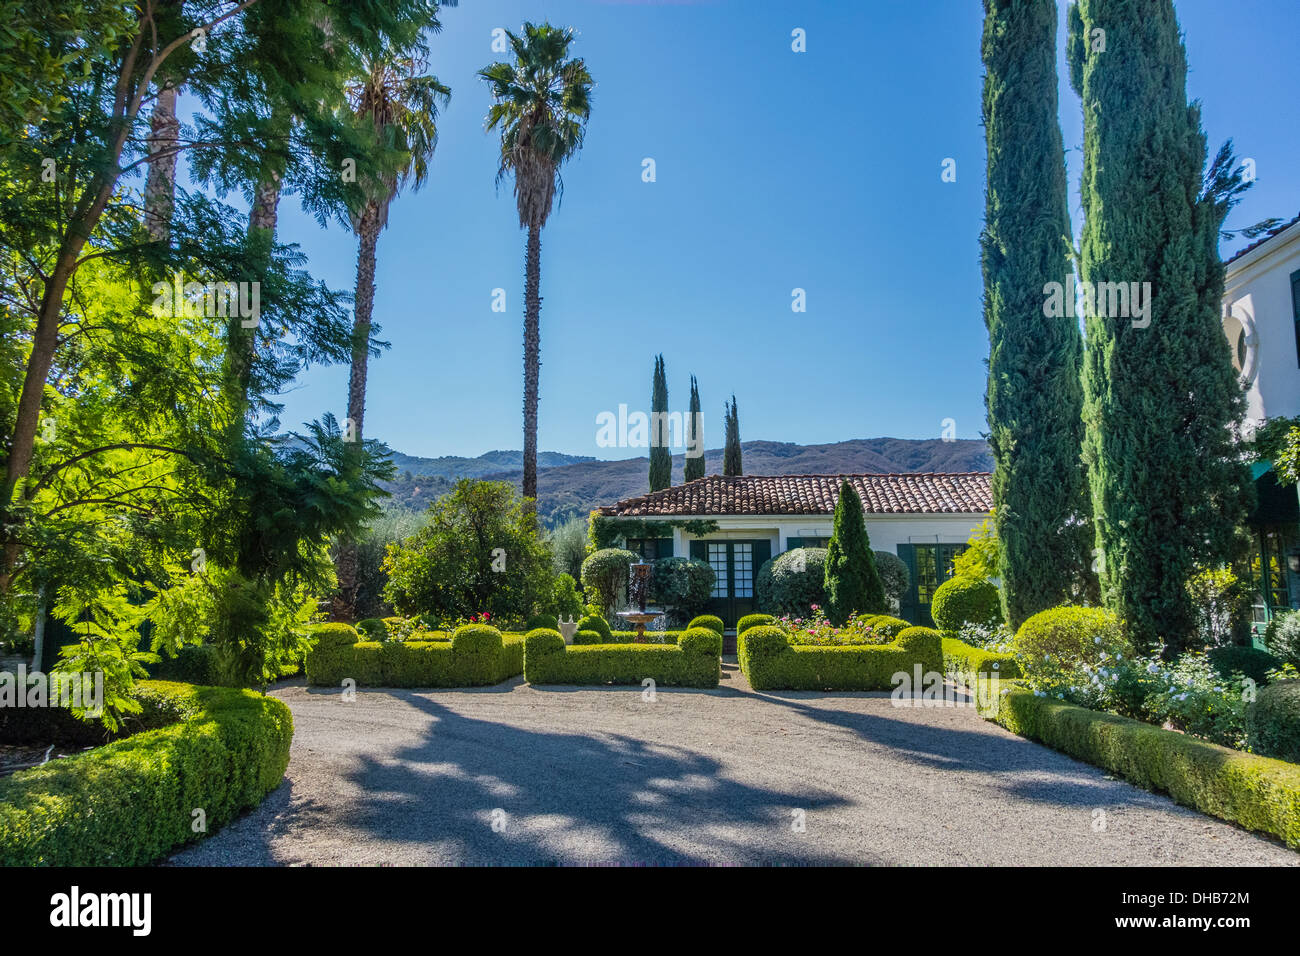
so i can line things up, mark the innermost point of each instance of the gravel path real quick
(516, 774)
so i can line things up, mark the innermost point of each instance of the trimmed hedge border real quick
(770, 662)
(626, 637)
(477, 655)
(961, 658)
(131, 802)
(1258, 793)
(694, 661)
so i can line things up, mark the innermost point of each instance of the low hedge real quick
(625, 637)
(711, 621)
(692, 662)
(1255, 792)
(753, 620)
(770, 662)
(1273, 721)
(373, 627)
(961, 658)
(477, 655)
(131, 802)
(887, 624)
(594, 622)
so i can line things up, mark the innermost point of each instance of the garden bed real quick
(770, 662)
(475, 655)
(694, 661)
(130, 802)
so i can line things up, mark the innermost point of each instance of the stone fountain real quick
(638, 590)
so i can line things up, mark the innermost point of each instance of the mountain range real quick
(570, 485)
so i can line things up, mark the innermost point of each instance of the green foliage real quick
(693, 467)
(731, 456)
(894, 578)
(604, 576)
(606, 532)
(595, 623)
(1236, 661)
(1282, 636)
(770, 662)
(479, 552)
(392, 527)
(661, 455)
(683, 585)
(547, 621)
(1221, 604)
(373, 628)
(982, 554)
(1273, 721)
(753, 620)
(131, 802)
(590, 637)
(891, 627)
(568, 544)
(819, 631)
(1254, 792)
(477, 655)
(792, 582)
(1052, 646)
(960, 659)
(711, 621)
(960, 601)
(851, 581)
(566, 600)
(692, 662)
(1169, 485)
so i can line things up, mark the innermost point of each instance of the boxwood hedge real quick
(476, 655)
(692, 662)
(1258, 793)
(961, 658)
(753, 620)
(132, 801)
(626, 637)
(711, 621)
(770, 662)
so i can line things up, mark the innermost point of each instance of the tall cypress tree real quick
(1160, 394)
(1034, 398)
(661, 456)
(731, 464)
(694, 467)
(851, 579)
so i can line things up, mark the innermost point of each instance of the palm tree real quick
(541, 103)
(402, 103)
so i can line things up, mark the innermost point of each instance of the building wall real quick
(1257, 297)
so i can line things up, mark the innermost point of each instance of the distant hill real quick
(572, 485)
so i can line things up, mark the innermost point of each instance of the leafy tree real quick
(541, 103)
(852, 582)
(1161, 398)
(1034, 397)
(694, 466)
(731, 463)
(605, 577)
(981, 559)
(568, 544)
(661, 456)
(480, 551)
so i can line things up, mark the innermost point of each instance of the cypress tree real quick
(1160, 395)
(694, 467)
(1034, 398)
(661, 456)
(851, 579)
(731, 464)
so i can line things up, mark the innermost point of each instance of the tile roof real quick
(1273, 234)
(918, 493)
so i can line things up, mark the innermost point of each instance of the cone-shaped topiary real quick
(852, 583)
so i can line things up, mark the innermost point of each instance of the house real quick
(925, 519)
(1261, 319)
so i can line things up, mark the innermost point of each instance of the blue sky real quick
(775, 170)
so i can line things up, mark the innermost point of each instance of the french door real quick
(735, 566)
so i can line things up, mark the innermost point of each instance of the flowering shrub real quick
(818, 631)
(991, 636)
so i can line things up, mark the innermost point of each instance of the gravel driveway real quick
(518, 774)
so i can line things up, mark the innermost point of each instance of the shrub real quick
(683, 585)
(1255, 792)
(960, 658)
(542, 620)
(770, 662)
(692, 662)
(567, 601)
(711, 621)
(894, 578)
(819, 631)
(1273, 721)
(792, 582)
(1247, 661)
(1282, 637)
(374, 628)
(193, 664)
(604, 576)
(890, 627)
(130, 802)
(753, 620)
(851, 580)
(595, 623)
(964, 600)
(1054, 645)
(1221, 604)
(589, 637)
(476, 655)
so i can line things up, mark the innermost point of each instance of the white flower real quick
(1097, 639)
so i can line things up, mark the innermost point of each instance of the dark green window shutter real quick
(1295, 310)
(699, 551)
(762, 554)
(665, 548)
(792, 543)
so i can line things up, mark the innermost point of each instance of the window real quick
(933, 567)
(651, 548)
(792, 543)
(718, 561)
(743, 570)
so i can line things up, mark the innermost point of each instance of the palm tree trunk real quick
(532, 361)
(368, 231)
(160, 186)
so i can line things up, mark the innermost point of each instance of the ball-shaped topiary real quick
(792, 582)
(335, 635)
(711, 621)
(753, 620)
(1054, 644)
(891, 627)
(965, 600)
(593, 622)
(547, 621)
(894, 577)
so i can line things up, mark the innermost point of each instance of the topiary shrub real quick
(334, 635)
(1054, 644)
(373, 628)
(1246, 661)
(590, 637)
(792, 582)
(1273, 721)
(604, 575)
(476, 655)
(1282, 637)
(193, 664)
(964, 600)
(753, 620)
(548, 621)
(683, 585)
(770, 662)
(593, 622)
(893, 577)
(692, 662)
(891, 627)
(711, 621)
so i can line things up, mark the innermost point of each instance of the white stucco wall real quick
(1257, 292)
(886, 531)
